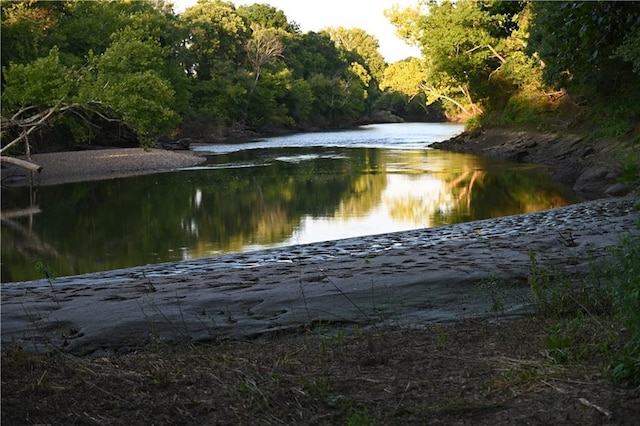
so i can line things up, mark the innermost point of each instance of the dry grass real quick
(468, 372)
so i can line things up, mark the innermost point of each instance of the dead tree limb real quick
(12, 214)
(26, 126)
(21, 163)
(31, 123)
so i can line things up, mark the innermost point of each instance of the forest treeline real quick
(118, 71)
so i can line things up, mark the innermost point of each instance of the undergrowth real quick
(595, 313)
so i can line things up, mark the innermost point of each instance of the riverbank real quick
(111, 163)
(390, 329)
(386, 329)
(592, 167)
(409, 278)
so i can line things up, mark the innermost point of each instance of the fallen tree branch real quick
(30, 122)
(12, 214)
(21, 163)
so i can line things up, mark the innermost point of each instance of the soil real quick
(475, 372)
(466, 373)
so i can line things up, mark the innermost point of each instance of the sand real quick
(77, 166)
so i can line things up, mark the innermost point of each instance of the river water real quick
(273, 192)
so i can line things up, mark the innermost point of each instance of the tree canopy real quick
(507, 58)
(151, 71)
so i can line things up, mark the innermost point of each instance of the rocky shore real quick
(592, 167)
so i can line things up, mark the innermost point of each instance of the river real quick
(272, 192)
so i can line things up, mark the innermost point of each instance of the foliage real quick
(625, 279)
(609, 296)
(587, 46)
(41, 83)
(149, 69)
(363, 48)
(249, 66)
(468, 49)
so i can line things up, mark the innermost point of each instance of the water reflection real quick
(261, 197)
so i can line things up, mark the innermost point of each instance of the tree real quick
(409, 78)
(215, 40)
(40, 84)
(363, 45)
(117, 71)
(127, 79)
(586, 45)
(406, 77)
(267, 16)
(264, 47)
(312, 53)
(27, 27)
(464, 44)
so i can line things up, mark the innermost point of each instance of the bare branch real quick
(21, 163)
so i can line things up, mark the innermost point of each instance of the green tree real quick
(41, 83)
(267, 16)
(363, 45)
(124, 69)
(215, 40)
(464, 46)
(588, 46)
(215, 60)
(404, 93)
(27, 27)
(589, 51)
(312, 53)
(127, 79)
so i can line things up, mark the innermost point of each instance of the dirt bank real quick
(592, 167)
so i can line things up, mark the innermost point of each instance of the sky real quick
(314, 15)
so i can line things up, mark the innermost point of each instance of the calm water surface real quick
(274, 192)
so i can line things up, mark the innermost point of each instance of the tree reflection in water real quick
(264, 197)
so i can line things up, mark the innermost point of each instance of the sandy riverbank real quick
(78, 166)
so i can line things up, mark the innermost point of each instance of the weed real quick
(627, 308)
(492, 286)
(539, 283)
(442, 337)
(358, 419)
(44, 268)
(346, 296)
(601, 310)
(557, 343)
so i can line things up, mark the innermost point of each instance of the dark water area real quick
(274, 192)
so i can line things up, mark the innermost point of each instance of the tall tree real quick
(267, 16)
(124, 69)
(464, 45)
(215, 40)
(583, 43)
(363, 45)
